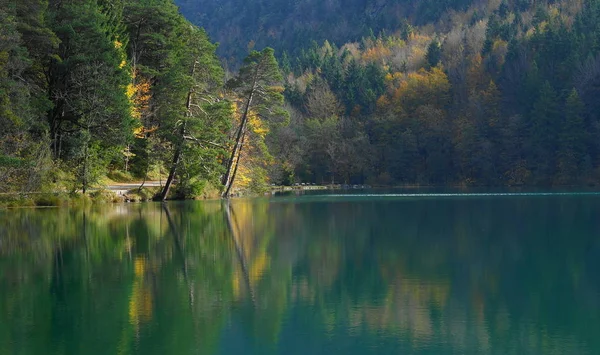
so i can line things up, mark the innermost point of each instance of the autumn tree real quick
(258, 93)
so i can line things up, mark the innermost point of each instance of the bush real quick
(51, 200)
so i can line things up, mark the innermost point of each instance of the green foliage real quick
(79, 78)
(434, 53)
(91, 115)
(92, 86)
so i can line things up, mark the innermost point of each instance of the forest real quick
(126, 89)
(484, 93)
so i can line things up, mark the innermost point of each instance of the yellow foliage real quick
(257, 125)
(383, 102)
(279, 88)
(378, 54)
(423, 88)
(139, 95)
(243, 179)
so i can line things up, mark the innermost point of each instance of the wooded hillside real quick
(404, 92)
(382, 93)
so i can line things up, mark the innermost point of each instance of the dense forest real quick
(459, 92)
(292, 25)
(375, 92)
(124, 88)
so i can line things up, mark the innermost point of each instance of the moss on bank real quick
(64, 199)
(57, 199)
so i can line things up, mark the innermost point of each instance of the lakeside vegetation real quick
(125, 88)
(484, 93)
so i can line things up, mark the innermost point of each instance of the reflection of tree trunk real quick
(178, 245)
(181, 252)
(233, 227)
(85, 172)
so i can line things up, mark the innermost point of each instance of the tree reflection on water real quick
(485, 275)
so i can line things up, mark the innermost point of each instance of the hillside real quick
(290, 25)
(365, 92)
(403, 92)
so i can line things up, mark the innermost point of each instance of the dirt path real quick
(122, 188)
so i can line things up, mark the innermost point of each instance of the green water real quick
(331, 275)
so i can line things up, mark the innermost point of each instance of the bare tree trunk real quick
(227, 179)
(179, 149)
(176, 159)
(237, 164)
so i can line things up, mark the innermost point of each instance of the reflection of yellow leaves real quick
(140, 301)
(139, 266)
(235, 283)
(259, 266)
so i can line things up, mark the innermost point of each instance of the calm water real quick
(328, 275)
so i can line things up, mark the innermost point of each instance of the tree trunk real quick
(176, 159)
(229, 176)
(237, 164)
(179, 149)
(227, 179)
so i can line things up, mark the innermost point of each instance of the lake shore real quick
(136, 192)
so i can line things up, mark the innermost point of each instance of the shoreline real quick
(18, 200)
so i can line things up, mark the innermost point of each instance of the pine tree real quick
(572, 140)
(197, 117)
(91, 120)
(545, 118)
(256, 87)
(434, 53)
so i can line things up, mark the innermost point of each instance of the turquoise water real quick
(339, 273)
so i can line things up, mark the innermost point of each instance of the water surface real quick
(318, 274)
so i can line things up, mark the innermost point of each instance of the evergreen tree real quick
(434, 53)
(196, 117)
(259, 94)
(91, 120)
(572, 141)
(545, 118)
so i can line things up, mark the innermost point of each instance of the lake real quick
(314, 274)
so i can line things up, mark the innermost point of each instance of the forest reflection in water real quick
(299, 275)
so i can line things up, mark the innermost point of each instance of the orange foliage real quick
(423, 88)
(377, 54)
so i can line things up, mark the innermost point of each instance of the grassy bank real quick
(77, 199)
(20, 200)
